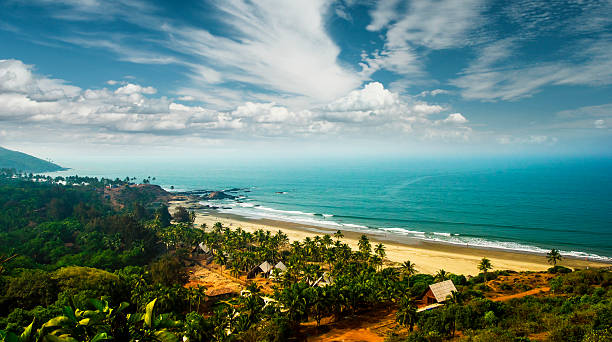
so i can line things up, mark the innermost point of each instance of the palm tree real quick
(407, 312)
(338, 235)
(364, 245)
(455, 300)
(380, 250)
(484, 266)
(327, 241)
(442, 275)
(409, 268)
(553, 256)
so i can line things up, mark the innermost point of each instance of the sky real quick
(345, 77)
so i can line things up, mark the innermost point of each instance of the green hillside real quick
(25, 162)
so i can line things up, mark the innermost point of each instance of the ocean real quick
(529, 205)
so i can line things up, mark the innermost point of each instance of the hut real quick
(204, 248)
(438, 292)
(280, 266)
(264, 268)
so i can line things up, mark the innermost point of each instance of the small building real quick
(438, 292)
(280, 266)
(204, 248)
(264, 268)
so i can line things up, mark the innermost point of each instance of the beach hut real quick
(438, 292)
(264, 268)
(204, 248)
(280, 266)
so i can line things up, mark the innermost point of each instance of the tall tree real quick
(163, 216)
(484, 266)
(553, 257)
(408, 268)
(442, 275)
(407, 313)
(364, 245)
(380, 250)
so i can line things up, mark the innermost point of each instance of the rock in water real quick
(219, 195)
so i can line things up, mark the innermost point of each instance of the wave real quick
(479, 242)
(473, 224)
(257, 211)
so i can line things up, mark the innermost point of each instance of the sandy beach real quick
(429, 257)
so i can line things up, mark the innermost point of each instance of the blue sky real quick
(405, 76)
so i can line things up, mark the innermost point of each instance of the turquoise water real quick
(528, 205)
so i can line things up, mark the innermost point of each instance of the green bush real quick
(559, 269)
(28, 290)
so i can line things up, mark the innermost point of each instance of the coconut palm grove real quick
(78, 264)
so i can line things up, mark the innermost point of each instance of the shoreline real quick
(428, 256)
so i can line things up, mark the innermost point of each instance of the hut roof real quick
(203, 247)
(281, 266)
(442, 289)
(266, 267)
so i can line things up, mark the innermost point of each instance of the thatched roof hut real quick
(438, 292)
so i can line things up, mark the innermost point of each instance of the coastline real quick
(429, 257)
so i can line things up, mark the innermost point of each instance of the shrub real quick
(29, 289)
(567, 332)
(559, 269)
(604, 335)
(83, 283)
(490, 318)
(168, 271)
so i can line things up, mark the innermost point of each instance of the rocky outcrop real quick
(219, 195)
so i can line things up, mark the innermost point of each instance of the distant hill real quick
(25, 162)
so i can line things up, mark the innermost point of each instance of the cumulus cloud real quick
(131, 88)
(455, 118)
(131, 109)
(372, 96)
(17, 77)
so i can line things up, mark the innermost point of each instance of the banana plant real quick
(26, 336)
(74, 325)
(151, 327)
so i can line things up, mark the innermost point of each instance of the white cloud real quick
(604, 110)
(508, 69)
(600, 123)
(433, 25)
(372, 96)
(384, 12)
(435, 92)
(131, 88)
(455, 118)
(15, 76)
(510, 81)
(427, 109)
(130, 109)
(281, 46)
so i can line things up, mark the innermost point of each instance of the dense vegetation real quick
(24, 162)
(76, 266)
